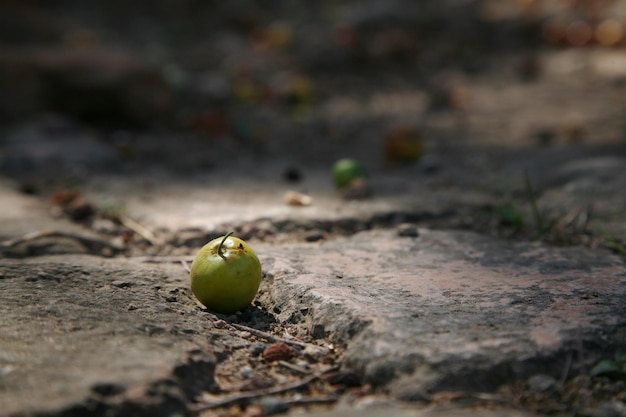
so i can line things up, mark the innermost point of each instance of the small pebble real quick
(256, 383)
(407, 230)
(541, 383)
(245, 372)
(292, 174)
(257, 348)
(315, 353)
(273, 405)
(278, 351)
(104, 226)
(313, 235)
(304, 365)
(294, 198)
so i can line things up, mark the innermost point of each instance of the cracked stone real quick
(441, 311)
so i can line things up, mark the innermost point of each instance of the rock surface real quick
(442, 311)
(413, 313)
(452, 310)
(78, 332)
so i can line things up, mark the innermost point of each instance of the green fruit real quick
(346, 170)
(225, 275)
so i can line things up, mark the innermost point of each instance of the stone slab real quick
(440, 311)
(76, 330)
(451, 310)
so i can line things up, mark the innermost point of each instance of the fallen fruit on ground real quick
(403, 145)
(347, 170)
(225, 275)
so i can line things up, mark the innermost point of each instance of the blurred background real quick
(187, 86)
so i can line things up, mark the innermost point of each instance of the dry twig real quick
(88, 240)
(294, 368)
(246, 396)
(271, 337)
(185, 265)
(139, 229)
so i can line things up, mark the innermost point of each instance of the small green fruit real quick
(346, 170)
(225, 275)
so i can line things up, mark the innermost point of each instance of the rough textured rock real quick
(416, 312)
(445, 310)
(452, 310)
(97, 334)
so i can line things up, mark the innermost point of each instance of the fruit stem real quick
(219, 248)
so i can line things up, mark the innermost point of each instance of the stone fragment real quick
(407, 230)
(294, 198)
(541, 383)
(257, 348)
(314, 235)
(273, 405)
(257, 382)
(278, 351)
